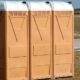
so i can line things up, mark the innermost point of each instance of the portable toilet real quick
(63, 30)
(13, 40)
(41, 39)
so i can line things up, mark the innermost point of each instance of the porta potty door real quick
(40, 40)
(17, 41)
(63, 41)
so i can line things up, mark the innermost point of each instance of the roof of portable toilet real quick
(12, 6)
(61, 6)
(38, 6)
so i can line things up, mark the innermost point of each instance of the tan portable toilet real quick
(41, 40)
(63, 30)
(13, 41)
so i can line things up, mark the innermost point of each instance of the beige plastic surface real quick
(41, 44)
(14, 45)
(63, 44)
(17, 45)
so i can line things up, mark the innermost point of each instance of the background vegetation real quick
(77, 23)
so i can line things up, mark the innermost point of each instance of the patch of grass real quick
(77, 36)
(77, 11)
(77, 65)
(77, 24)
